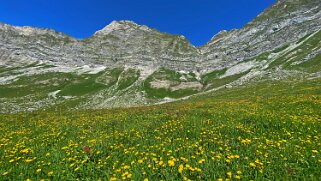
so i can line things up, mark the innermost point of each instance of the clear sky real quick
(197, 20)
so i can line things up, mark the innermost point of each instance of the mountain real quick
(280, 25)
(126, 64)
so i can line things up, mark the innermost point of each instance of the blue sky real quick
(197, 20)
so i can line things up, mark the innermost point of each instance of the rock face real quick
(120, 43)
(129, 64)
(126, 43)
(283, 23)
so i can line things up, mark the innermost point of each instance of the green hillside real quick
(264, 131)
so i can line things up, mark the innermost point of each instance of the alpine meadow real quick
(133, 103)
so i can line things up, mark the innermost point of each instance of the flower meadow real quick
(262, 132)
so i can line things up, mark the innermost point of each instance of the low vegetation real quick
(174, 79)
(265, 131)
(127, 78)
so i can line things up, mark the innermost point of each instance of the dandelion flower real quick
(171, 163)
(201, 161)
(113, 179)
(180, 168)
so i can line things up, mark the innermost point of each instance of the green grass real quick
(37, 85)
(280, 49)
(109, 77)
(214, 83)
(312, 65)
(40, 85)
(70, 84)
(128, 77)
(262, 57)
(8, 71)
(166, 74)
(162, 92)
(84, 84)
(265, 131)
(174, 78)
(81, 88)
(212, 75)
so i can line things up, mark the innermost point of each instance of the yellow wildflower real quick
(129, 175)
(201, 161)
(252, 164)
(29, 160)
(171, 163)
(180, 168)
(229, 174)
(113, 179)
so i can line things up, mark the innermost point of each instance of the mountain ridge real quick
(126, 64)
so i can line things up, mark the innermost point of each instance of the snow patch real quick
(198, 75)
(168, 99)
(54, 94)
(91, 70)
(67, 97)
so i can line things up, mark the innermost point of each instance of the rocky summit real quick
(126, 64)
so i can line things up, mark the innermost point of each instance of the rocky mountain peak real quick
(121, 25)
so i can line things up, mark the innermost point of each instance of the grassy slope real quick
(207, 78)
(70, 84)
(217, 82)
(268, 130)
(127, 78)
(169, 75)
(307, 47)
